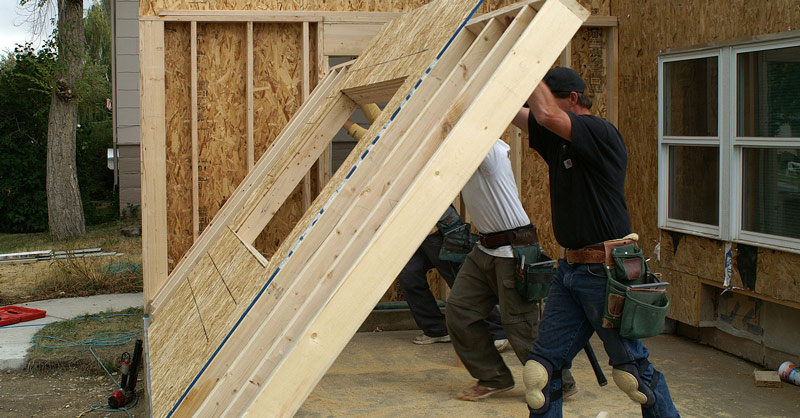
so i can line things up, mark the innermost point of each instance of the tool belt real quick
(523, 236)
(636, 300)
(596, 253)
(457, 237)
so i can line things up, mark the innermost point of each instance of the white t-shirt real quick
(492, 199)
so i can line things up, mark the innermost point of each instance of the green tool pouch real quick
(644, 313)
(534, 272)
(457, 243)
(634, 303)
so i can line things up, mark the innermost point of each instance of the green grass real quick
(85, 331)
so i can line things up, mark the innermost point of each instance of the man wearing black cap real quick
(587, 161)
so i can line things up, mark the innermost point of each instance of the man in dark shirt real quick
(587, 160)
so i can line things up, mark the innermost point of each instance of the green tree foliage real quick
(25, 87)
(24, 104)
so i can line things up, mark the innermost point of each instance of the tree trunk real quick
(64, 207)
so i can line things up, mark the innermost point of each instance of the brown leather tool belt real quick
(524, 236)
(595, 253)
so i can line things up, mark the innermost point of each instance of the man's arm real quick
(547, 112)
(521, 119)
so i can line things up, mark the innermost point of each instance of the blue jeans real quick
(574, 311)
(414, 284)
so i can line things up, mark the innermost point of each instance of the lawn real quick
(72, 276)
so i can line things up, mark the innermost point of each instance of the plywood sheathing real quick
(645, 29)
(416, 210)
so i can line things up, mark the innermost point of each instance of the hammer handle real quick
(598, 372)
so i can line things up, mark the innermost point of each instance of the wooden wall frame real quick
(231, 333)
(337, 33)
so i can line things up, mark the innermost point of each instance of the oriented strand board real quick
(684, 293)
(278, 77)
(179, 141)
(152, 7)
(222, 114)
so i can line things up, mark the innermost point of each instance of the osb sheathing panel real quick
(777, 275)
(204, 322)
(277, 94)
(647, 27)
(151, 8)
(222, 114)
(179, 141)
(683, 291)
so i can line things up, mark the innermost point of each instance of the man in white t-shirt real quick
(487, 278)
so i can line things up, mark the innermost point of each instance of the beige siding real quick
(126, 100)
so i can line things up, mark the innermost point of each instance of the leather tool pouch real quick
(533, 274)
(457, 243)
(637, 312)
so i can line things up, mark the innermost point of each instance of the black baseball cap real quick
(564, 80)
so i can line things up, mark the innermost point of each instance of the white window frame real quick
(664, 143)
(730, 145)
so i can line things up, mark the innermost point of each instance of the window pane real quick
(694, 184)
(768, 93)
(690, 97)
(771, 191)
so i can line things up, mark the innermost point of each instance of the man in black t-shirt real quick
(587, 161)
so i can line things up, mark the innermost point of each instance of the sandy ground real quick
(384, 375)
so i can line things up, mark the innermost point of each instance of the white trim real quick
(766, 142)
(724, 121)
(698, 141)
(692, 228)
(774, 242)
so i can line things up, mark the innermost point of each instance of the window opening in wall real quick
(729, 141)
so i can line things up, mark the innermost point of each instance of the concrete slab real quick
(382, 374)
(15, 340)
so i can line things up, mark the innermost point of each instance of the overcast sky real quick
(15, 27)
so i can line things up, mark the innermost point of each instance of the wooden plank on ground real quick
(767, 378)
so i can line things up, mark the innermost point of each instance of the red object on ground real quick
(13, 314)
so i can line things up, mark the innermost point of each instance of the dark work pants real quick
(414, 284)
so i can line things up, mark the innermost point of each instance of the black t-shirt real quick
(587, 180)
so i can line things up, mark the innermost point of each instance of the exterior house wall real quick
(694, 265)
(126, 102)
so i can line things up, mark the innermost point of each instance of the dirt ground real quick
(66, 393)
(384, 375)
